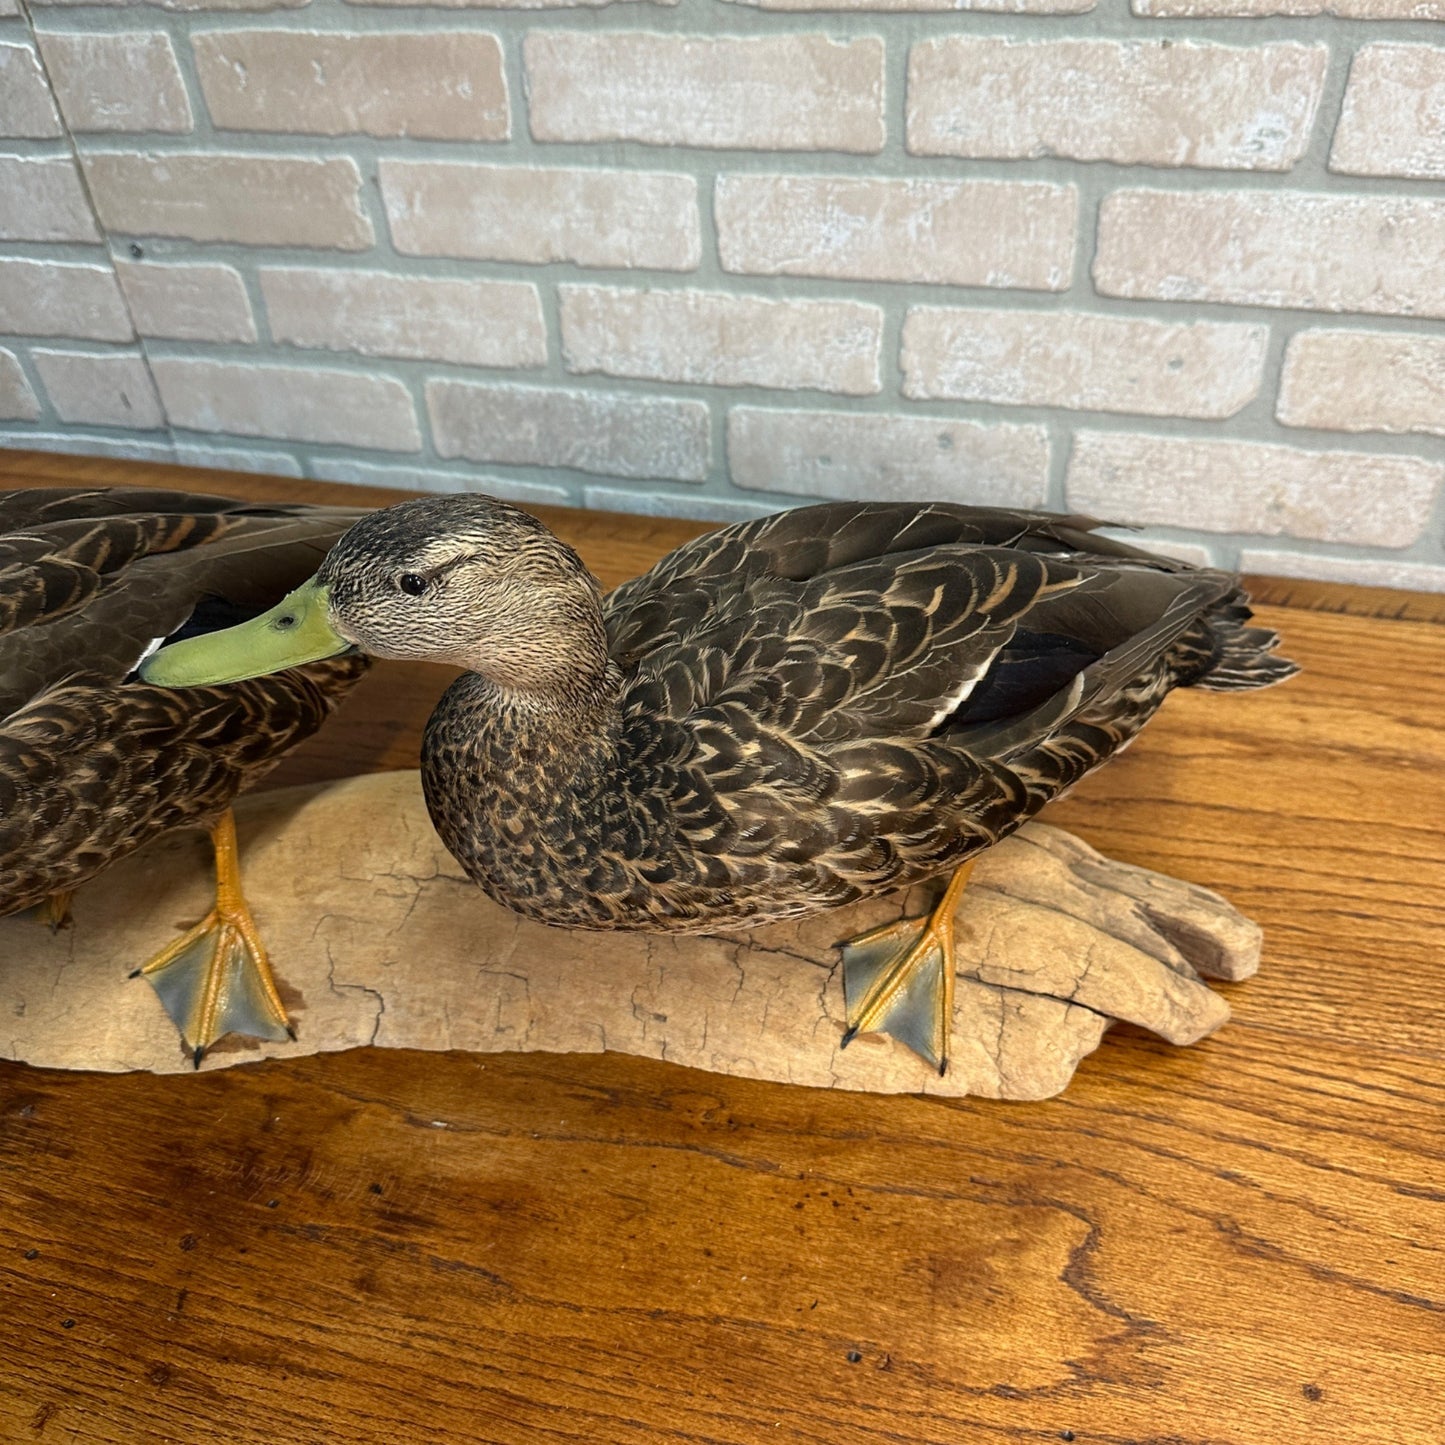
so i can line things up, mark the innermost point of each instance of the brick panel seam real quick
(66, 145)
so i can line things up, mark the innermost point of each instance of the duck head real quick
(466, 580)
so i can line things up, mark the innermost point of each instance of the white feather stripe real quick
(960, 694)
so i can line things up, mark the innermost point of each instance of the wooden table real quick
(1240, 1242)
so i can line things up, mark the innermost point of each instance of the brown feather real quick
(92, 763)
(785, 724)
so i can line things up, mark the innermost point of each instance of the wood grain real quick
(1239, 1244)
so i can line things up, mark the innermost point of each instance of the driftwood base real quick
(378, 938)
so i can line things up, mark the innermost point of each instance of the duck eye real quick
(412, 583)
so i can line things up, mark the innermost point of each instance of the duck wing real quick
(863, 712)
(809, 542)
(92, 764)
(89, 580)
(887, 621)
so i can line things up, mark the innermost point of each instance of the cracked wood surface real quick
(381, 939)
(1235, 1244)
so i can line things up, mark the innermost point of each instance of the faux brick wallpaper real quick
(1180, 263)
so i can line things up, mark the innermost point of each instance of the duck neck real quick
(502, 769)
(551, 668)
(544, 711)
(576, 703)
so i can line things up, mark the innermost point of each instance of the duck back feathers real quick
(92, 762)
(820, 704)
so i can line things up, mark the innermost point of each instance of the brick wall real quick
(1181, 263)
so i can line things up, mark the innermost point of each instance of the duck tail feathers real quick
(1244, 658)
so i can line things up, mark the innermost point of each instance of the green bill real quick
(294, 631)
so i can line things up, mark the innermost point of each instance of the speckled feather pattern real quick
(784, 726)
(93, 765)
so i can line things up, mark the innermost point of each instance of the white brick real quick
(1004, 7)
(1137, 102)
(27, 111)
(411, 479)
(1348, 9)
(777, 92)
(187, 302)
(41, 199)
(960, 233)
(289, 403)
(1393, 120)
(638, 503)
(1358, 381)
(1083, 362)
(9, 7)
(128, 82)
(17, 400)
(1382, 254)
(715, 339)
(101, 388)
(1361, 571)
(592, 431)
(526, 213)
(253, 200)
(477, 323)
(902, 458)
(53, 298)
(434, 85)
(238, 459)
(1230, 486)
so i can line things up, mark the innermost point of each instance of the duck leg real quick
(55, 911)
(898, 979)
(215, 979)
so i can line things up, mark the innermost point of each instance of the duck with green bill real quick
(782, 716)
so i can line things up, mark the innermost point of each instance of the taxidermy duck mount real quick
(95, 763)
(381, 939)
(781, 718)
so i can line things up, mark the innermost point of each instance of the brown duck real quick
(780, 717)
(94, 762)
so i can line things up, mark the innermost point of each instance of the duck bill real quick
(295, 631)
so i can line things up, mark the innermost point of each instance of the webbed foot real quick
(215, 979)
(898, 979)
